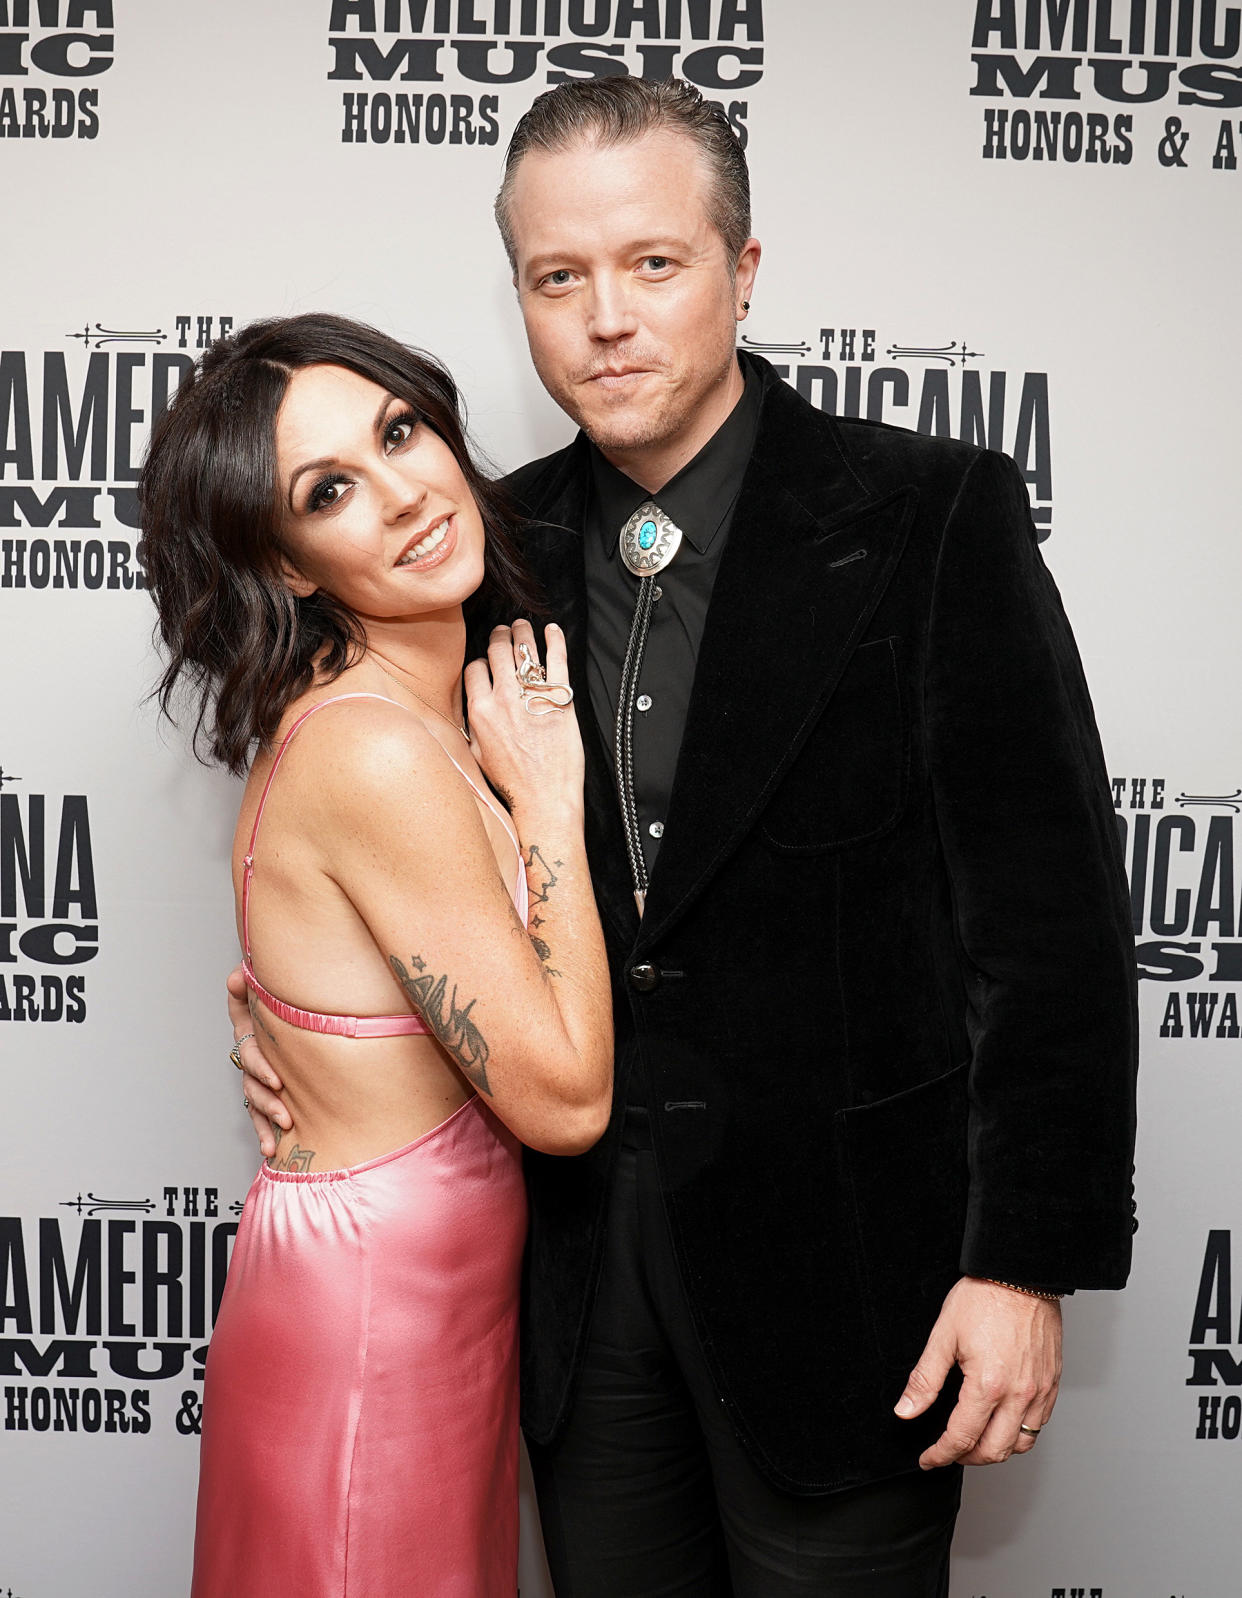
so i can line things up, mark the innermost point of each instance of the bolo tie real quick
(648, 542)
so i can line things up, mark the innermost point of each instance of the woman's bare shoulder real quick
(359, 748)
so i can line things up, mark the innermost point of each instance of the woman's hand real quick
(531, 759)
(260, 1083)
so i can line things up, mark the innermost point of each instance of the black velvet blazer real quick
(892, 1036)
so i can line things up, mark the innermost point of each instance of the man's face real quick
(629, 299)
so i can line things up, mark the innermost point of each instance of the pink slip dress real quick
(360, 1412)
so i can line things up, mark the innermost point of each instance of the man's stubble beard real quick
(644, 431)
(654, 426)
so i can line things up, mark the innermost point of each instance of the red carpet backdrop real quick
(1009, 221)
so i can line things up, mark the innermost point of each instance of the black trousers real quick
(649, 1494)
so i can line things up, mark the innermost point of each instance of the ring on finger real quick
(1030, 1431)
(245, 1101)
(529, 671)
(235, 1051)
(547, 698)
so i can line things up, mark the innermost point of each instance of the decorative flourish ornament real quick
(649, 540)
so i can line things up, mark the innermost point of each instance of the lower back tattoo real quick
(297, 1159)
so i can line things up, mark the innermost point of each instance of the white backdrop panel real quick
(1077, 312)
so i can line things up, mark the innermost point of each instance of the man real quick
(855, 859)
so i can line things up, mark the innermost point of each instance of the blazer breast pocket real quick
(847, 784)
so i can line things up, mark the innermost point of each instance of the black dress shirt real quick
(700, 500)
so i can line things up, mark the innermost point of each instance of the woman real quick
(314, 527)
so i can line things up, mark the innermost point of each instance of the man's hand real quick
(1008, 1345)
(260, 1084)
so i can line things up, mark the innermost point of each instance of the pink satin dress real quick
(360, 1412)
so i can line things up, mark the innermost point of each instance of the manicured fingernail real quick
(905, 1405)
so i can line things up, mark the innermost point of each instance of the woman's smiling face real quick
(375, 508)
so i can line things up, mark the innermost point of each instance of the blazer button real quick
(644, 977)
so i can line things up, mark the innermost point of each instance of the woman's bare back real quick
(351, 1098)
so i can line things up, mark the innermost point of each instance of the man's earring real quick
(746, 305)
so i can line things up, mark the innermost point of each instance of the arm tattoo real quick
(449, 1021)
(544, 953)
(297, 1159)
(540, 876)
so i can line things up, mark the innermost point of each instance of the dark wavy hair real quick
(234, 634)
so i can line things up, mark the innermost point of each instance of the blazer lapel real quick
(795, 591)
(555, 547)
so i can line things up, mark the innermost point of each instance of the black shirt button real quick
(644, 977)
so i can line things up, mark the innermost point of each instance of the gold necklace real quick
(457, 726)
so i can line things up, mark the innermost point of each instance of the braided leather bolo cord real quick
(623, 735)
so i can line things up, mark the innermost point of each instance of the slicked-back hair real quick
(235, 636)
(616, 110)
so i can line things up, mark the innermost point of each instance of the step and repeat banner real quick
(1009, 221)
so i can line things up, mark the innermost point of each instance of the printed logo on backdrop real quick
(73, 423)
(1055, 1592)
(106, 1305)
(1182, 861)
(1106, 82)
(468, 69)
(48, 908)
(46, 47)
(1067, 1592)
(1216, 1342)
(943, 390)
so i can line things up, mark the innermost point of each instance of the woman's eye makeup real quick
(326, 493)
(399, 429)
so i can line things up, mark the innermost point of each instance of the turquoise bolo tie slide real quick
(649, 540)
